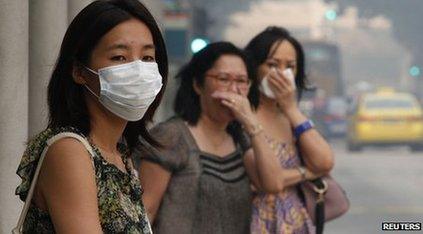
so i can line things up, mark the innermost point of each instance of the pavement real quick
(383, 185)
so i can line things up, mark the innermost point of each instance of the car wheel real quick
(416, 148)
(353, 147)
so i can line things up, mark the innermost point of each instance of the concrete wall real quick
(47, 25)
(30, 36)
(13, 103)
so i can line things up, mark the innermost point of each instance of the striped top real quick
(229, 169)
(206, 193)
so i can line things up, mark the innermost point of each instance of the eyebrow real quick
(126, 47)
(118, 46)
(278, 60)
(149, 46)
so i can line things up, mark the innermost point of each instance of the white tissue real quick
(265, 86)
(288, 74)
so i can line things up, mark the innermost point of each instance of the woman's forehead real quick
(230, 63)
(283, 50)
(130, 33)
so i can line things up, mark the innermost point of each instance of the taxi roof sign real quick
(385, 90)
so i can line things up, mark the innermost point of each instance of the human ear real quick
(196, 87)
(77, 74)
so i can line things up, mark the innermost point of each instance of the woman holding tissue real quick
(279, 60)
(199, 182)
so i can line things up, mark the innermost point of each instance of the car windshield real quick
(389, 103)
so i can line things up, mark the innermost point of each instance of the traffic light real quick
(331, 15)
(198, 43)
(414, 71)
(200, 25)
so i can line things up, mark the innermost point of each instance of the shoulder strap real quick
(319, 208)
(18, 228)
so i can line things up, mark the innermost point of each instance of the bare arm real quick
(262, 165)
(154, 180)
(67, 184)
(283, 177)
(317, 154)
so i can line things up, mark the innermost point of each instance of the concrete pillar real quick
(75, 6)
(13, 104)
(165, 109)
(156, 9)
(47, 25)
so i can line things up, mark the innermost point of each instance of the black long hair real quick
(67, 106)
(187, 102)
(259, 48)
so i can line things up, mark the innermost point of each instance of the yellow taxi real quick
(386, 117)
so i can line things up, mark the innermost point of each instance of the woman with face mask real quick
(77, 176)
(199, 182)
(279, 60)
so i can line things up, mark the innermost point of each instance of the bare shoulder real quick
(68, 152)
(249, 159)
(67, 160)
(68, 186)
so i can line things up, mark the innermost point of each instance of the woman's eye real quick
(119, 58)
(291, 66)
(272, 64)
(148, 59)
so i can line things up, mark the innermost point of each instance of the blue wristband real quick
(300, 129)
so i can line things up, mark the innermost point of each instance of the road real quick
(382, 185)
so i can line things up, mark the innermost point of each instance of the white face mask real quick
(265, 86)
(127, 90)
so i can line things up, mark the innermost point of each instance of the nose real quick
(233, 87)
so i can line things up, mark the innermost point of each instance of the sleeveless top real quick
(284, 212)
(118, 193)
(206, 193)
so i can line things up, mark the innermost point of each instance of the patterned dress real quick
(118, 193)
(282, 213)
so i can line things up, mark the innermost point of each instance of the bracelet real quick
(302, 171)
(300, 129)
(256, 130)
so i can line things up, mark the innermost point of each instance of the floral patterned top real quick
(118, 193)
(284, 212)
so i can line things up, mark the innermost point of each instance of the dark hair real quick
(67, 106)
(259, 48)
(187, 102)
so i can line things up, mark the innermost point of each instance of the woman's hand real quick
(309, 175)
(284, 90)
(240, 107)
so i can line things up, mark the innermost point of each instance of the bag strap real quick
(320, 189)
(50, 141)
(320, 217)
(319, 221)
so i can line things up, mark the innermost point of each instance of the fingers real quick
(277, 77)
(228, 96)
(229, 104)
(280, 85)
(237, 103)
(234, 108)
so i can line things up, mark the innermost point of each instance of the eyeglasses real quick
(226, 79)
